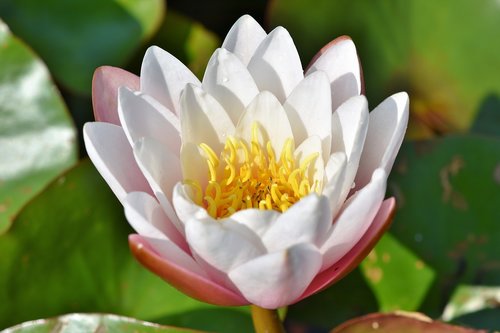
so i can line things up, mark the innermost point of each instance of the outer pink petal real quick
(354, 257)
(188, 282)
(105, 84)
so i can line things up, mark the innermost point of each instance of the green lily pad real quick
(80, 322)
(399, 279)
(74, 37)
(447, 190)
(67, 251)
(439, 51)
(37, 136)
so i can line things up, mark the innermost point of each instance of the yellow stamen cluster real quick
(250, 176)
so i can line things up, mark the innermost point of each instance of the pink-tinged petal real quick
(164, 77)
(186, 281)
(309, 110)
(276, 279)
(162, 170)
(268, 113)
(105, 84)
(203, 119)
(339, 60)
(148, 219)
(228, 80)
(307, 221)
(110, 151)
(349, 127)
(142, 116)
(388, 122)
(354, 219)
(276, 65)
(244, 37)
(354, 257)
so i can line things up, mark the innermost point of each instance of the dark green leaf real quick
(74, 37)
(487, 121)
(447, 190)
(37, 137)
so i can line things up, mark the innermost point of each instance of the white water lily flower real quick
(260, 184)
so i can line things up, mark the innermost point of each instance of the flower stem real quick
(266, 321)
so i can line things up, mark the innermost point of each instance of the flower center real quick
(250, 176)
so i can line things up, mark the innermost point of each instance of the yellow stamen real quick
(248, 175)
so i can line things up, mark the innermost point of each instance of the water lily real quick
(263, 183)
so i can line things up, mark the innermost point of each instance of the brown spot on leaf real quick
(374, 274)
(3, 207)
(449, 193)
(496, 174)
(372, 256)
(386, 257)
(419, 264)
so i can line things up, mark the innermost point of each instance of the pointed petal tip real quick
(193, 285)
(105, 83)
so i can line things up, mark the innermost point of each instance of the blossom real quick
(262, 183)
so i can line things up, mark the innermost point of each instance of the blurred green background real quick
(63, 236)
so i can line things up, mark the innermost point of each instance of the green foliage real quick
(438, 51)
(74, 37)
(37, 136)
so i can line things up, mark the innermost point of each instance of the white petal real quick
(142, 116)
(354, 219)
(228, 80)
(148, 219)
(110, 151)
(164, 77)
(276, 65)
(349, 127)
(335, 174)
(223, 244)
(307, 221)
(267, 112)
(162, 170)
(203, 119)
(276, 279)
(386, 131)
(184, 205)
(244, 37)
(309, 110)
(311, 145)
(340, 62)
(194, 164)
(257, 220)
